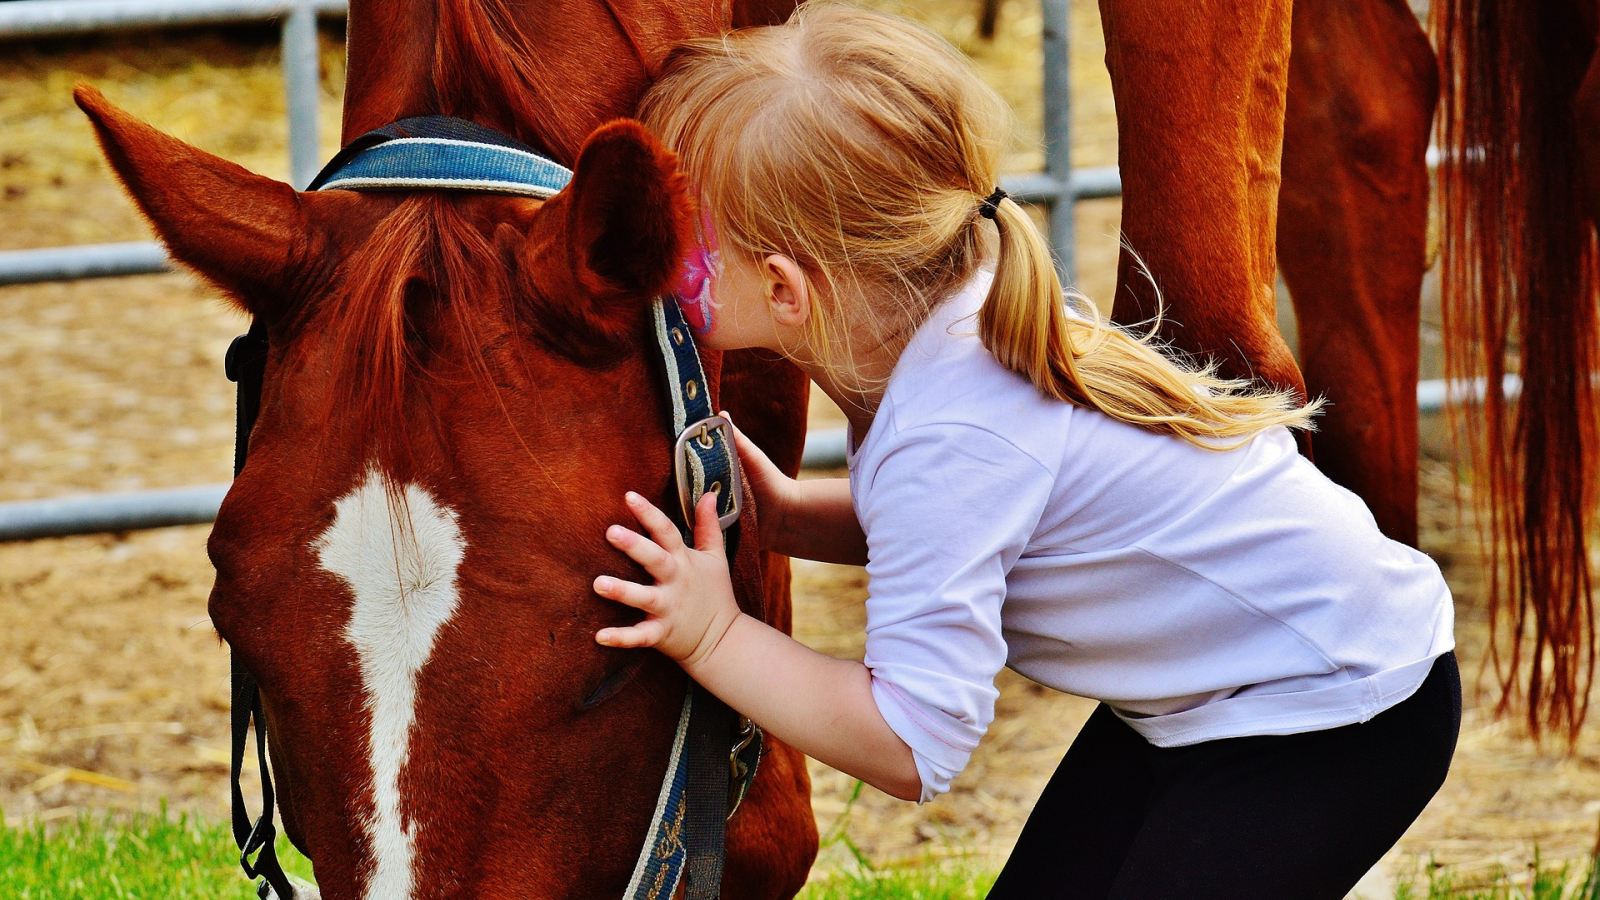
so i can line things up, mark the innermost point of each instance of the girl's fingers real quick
(648, 633)
(655, 521)
(637, 596)
(750, 454)
(707, 527)
(642, 550)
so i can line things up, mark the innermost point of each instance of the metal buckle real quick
(737, 768)
(700, 432)
(261, 834)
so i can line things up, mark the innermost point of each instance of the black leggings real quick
(1286, 817)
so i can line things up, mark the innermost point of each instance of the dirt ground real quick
(113, 687)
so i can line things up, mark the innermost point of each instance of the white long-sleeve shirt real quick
(1201, 594)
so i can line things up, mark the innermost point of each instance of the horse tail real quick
(1518, 277)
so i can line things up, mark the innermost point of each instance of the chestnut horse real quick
(1209, 103)
(458, 391)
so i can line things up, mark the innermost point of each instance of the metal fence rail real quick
(149, 257)
(26, 520)
(53, 18)
(29, 519)
(83, 261)
(23, 520)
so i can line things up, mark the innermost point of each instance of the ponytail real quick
(1025, 324)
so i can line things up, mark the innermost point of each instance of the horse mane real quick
(482, 50)
(1518, 278)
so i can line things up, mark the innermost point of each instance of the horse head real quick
(458, 392)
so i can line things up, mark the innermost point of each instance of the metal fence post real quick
(1058, 132)
(302, 83)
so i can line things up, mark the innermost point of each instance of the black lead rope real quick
(246, 366)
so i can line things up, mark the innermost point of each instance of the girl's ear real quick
(788, 291)
(616, 237)
(250, 236)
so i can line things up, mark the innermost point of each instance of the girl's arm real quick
(820, 705)
(818, 522)
(810, 519)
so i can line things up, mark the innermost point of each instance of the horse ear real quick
(615, 237)
(243, 232)
(630, 218)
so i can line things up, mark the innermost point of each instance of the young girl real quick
(1029, 487)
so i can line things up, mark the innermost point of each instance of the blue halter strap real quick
(441, 153)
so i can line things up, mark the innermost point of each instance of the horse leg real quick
(1200, 101)
(1352, 230)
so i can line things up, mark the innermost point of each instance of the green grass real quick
(927, 881)
(156, 857)
(952, 878)
(128, 857)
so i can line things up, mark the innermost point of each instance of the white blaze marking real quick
(400, 564)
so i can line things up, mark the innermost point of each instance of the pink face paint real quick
(700, 268)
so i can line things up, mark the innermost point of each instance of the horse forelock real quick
(423, 262)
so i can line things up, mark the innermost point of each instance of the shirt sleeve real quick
(947, 510)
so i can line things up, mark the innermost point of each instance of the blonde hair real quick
(862, 145)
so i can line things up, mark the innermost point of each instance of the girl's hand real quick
(691, 605)
(773, 490)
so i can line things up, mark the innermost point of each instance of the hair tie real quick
(990, 207)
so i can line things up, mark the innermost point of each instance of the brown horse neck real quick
(512, 66)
